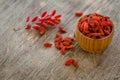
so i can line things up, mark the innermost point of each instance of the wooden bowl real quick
(93, 45)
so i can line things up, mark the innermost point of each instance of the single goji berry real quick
(66, 43)
(47, 44)
(53, 13)
(37, 27)
(44, 25)
(58, 16)
(58, 35)
(75, 63)
(42, 31)
(38, 23)
(28, 26)
(69, 62)
(50, 23)
(78, 13)
(67, 40)
(56, 21)
(57, 45)
(44, 14)
(68, 37)
(69, 47)
(63, 50)
(85, 28)
(35, 18)
(106, 32)
(62, 29)
(27, 19)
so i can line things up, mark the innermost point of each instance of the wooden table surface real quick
(23, 57)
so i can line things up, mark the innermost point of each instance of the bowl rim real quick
(92, 38)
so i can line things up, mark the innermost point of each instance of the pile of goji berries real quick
(63, 43)
(95, 26)
(43, 21)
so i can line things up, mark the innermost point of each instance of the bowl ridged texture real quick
(93, 45)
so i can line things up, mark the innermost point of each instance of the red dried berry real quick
(69, 62)
(68, 37)
(44, 25)
(27, 19)
(67, 40)
(47, 44)
(66, 44)
(44, 14)
(75, 63)
(56, 21)
(58, 16)
(50, 23)
(69, 47)
(63, 50)
(58, 35)
(37, 27)
(35, 18)
(53, 13)
(28, 26)
(62, 29)
(78, 13)
(38, 23)
(42, 31)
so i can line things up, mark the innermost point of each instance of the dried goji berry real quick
(34, 18)
(50, 23)
(38, 23)
(106, 32)
(27, 19)
(28, 26)
(44, 25)
(78, 13)
(44, 19)
(63, 50)
(53, 13)
(47, 44)
(37, 27)
(75, 63)
(58, 35)
(44, 14)
(66, 43)
(57, 45)
(42, 31)
(69, 47)
(62, 29)
(56, 21)
(58, 16)
(69, 62)
(85, 28)
(67, 40)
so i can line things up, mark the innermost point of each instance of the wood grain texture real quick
(23, 57)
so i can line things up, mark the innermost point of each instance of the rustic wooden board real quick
(23, 57)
